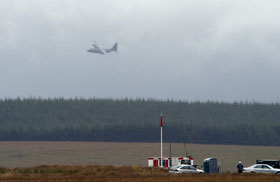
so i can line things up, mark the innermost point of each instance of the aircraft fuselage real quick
(95, 51)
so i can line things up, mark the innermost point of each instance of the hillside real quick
(139, 121)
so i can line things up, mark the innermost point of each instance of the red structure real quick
(168, 162)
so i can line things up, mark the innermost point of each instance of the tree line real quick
(138, 120)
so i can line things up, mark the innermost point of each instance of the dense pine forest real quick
(138, 120)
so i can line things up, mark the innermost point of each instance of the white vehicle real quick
(261, 168)
(184, 169)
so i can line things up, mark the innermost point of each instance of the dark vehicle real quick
(273, 163)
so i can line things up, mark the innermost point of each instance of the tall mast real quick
(161, 141)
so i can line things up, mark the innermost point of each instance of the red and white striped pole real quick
(161, 141)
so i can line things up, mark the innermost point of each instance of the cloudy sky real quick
(168, 49)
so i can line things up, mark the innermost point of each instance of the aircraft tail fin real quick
(115, 47)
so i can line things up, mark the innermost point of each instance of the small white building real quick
(168, 162)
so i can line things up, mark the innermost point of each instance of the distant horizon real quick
(137, 99)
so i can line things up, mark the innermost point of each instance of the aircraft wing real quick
(95, 46)
(103, 52)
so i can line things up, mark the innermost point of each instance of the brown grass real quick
(119, 174)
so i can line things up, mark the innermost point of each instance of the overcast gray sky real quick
(168, 49)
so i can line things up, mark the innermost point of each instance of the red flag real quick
(161, 120)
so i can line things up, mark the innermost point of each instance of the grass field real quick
(28, 154)
(119, 174)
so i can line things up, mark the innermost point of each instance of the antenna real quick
(185, 147)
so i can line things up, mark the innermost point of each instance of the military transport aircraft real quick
(98, 50)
